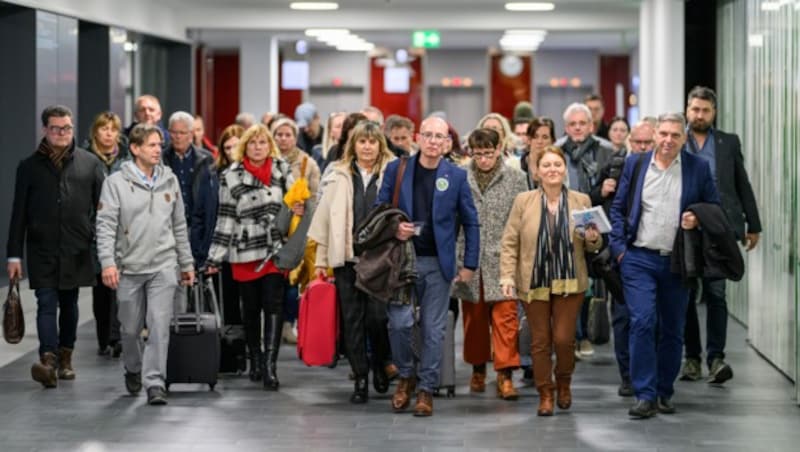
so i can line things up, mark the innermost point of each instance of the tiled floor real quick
(754, 412)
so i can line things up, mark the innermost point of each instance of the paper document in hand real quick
(594, 215)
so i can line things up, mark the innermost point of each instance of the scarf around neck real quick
(554, 265)
(57, 157)
(484, 178)
(584, 160)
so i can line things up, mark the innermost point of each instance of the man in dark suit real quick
(435, 195)
(669, 180)
(723, 151)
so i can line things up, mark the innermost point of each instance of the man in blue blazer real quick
(436, 196)
(668, 181)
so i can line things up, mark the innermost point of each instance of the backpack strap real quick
(401, 170)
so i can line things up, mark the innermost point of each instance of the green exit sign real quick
(428, 39)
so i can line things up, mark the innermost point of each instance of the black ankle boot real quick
(379, 379)
(361, 390)
(256, 361)
(272, 344)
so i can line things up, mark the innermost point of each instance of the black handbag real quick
(13, 317)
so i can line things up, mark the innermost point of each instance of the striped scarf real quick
(554, 265)
(55, 156)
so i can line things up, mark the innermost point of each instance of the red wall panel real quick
(614, 69)
(507, 91)
(225, 84)
(404, 104)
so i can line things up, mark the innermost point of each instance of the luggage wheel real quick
(451, 392)
(211, 386)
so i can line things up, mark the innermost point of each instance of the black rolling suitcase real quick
(194, 339)
(232, 341)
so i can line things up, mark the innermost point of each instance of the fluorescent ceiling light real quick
(327, 31)
(314, 6)
(342, 39)
(530, 6)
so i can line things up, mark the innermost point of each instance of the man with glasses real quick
(435, 195)
(56, 191)
(196, 173)
(586, 154)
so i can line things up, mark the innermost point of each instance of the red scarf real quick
(246, 271)
(262, 173)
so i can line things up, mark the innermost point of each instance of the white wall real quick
(258, 73)
(351, 67)
(456, 63)
(146, 16)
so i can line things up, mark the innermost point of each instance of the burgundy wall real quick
(405, 104)
(507, 91)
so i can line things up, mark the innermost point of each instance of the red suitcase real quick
(318, 324)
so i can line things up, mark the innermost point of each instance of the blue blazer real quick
(452, 207)
(697, 185)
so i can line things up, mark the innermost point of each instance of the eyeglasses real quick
(428, 136)
(484, 155)
(55, 130)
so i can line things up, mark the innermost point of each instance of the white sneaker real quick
(586, 348)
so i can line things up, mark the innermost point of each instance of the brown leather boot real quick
(478, 382)
(564, 395)
(45, 370)
(545, 401)
(402, 394)
(505, 386)
(65, 371)
(424, 406)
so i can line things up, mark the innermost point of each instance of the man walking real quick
(669, 180)
(56, 191)
(433, 193)
(142, 242)
(723, 152)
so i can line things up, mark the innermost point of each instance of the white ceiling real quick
(607, 25)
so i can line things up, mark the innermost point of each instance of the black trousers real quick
(265, 293)
(104, 307)
(361, 318)
(228, 295)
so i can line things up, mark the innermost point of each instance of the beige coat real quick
(521, 235)
(332, 224)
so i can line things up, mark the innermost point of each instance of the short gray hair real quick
(285, 121)
(677, 118)
(577, 107)
(181, 116)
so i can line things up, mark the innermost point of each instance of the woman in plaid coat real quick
(247, 234)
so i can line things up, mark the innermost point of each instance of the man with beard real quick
(723, 152)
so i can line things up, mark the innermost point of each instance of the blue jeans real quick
(716, 322)
(433, 297)
(56, 333)
(622, 328)
(656, 299)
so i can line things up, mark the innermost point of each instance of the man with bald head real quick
(436, 197)
(147, 110)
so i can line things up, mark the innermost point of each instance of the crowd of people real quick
(483, 226)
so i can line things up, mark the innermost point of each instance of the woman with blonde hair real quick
(333, 130)
(110, 146)
(250, 198)
(542, 263)
(350, 188)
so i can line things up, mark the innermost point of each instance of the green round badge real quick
(442, 184)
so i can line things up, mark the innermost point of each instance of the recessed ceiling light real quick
(314, 6)
(530, 6)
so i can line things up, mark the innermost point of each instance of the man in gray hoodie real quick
(142, 242)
